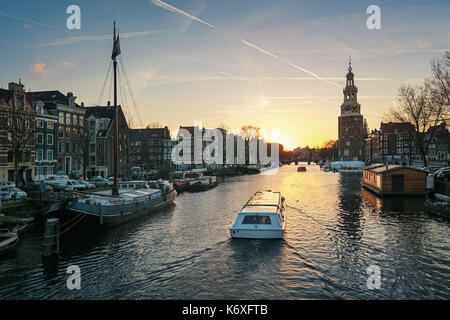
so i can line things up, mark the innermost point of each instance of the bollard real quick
(51, 238)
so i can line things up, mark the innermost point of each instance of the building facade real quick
(150, 148)
(70, 129)
(45, 141)
(351, 124)
(100, 135)
(17, 125)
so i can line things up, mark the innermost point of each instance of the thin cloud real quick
(288, 63)
(39, 68)
(180, 12)
(68, 64)
(71, 40)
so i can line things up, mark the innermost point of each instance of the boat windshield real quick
(256, 220)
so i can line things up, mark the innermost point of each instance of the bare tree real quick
(250, 131)
(21, 127)
(439, 84)
(417, 107)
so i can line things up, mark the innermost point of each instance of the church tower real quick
(350, 123)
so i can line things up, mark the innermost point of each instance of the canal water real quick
(335, 231)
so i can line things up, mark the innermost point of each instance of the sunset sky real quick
(279, 65)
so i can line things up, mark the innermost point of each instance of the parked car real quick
(442, 174)
(101, 182)
(87, 184)
(13, 192)
(56, 179)
(37, 187)
(7, 184)
(69, 185)
(17, 193)
(77, 185)
(5, 196)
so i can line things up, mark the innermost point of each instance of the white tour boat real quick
(262, 217)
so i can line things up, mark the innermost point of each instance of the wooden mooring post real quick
(51, 238)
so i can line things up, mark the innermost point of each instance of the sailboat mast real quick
(115, 190)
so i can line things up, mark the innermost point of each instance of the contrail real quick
(287, 62)
(242, 78)
(173, 9)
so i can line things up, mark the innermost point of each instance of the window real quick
(81, 120)
(68, 118)
(50, 139)
(50, 124)
(49, 170)
(61, 147)
(40, 138)
(50, 155)
(60, 132)
(39, 155)
(256, 220)
(10, 156)
(92, 147)
(39, 123)
(61, 117)
(67, 132)
(75, 120)
(38, 171)
(346, 152)
(92, 160)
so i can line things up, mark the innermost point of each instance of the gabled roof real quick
(5, 94)
(101, 111)
(49, 96)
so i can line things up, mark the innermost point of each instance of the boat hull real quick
(9, 245)
(105, 217)
(257, 233)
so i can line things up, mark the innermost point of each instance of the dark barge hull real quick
(77, 216)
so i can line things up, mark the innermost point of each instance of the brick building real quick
(100, 130)
(351, 128)
(17, 118)
(150, 148)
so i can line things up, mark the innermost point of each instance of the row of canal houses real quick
(394, 142)
(64, 137)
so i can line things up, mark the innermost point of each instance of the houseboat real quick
(262, 217)
(395, 180)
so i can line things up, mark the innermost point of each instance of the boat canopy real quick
(347, 164)
(265, 201)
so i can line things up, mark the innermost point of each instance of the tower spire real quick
(350, 63)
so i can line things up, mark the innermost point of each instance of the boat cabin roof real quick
(266, 201)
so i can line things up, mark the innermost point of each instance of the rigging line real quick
(123, 103)
(130, 90)
(110, 89)
(130, 111)
(68, 222)
(104, 84)
(70, 227)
